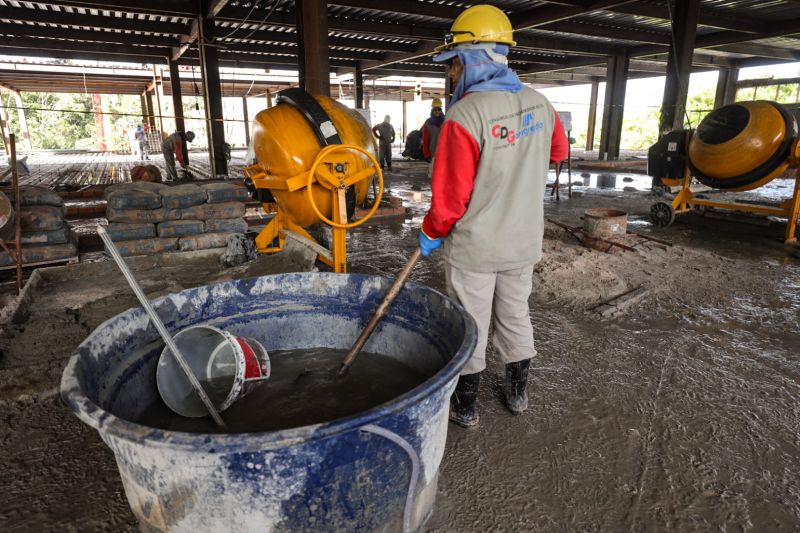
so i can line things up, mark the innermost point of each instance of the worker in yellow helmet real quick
(488, 183)
(431, 128)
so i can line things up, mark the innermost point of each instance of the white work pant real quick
(500, 298)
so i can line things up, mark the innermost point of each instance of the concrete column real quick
(313, 51)
(209, 64)
(613, 109)
(726, 86)
(679, 64)
(592, 116)
(177, 96)
(358, 83)
(269, 99)
(246, 121)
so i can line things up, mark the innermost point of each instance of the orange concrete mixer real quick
(737, 147)
(315, 161)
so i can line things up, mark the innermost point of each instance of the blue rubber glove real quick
(427, 245)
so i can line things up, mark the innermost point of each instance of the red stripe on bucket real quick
(252, 367)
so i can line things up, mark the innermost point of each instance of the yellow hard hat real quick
(479, 24)
(437, 102)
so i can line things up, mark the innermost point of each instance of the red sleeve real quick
(559, 143)
(180, 152)
(454, 170)
(426, 140)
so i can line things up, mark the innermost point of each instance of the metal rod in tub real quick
(123, 266)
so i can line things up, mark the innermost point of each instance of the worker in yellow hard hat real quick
(431, 129)
(488, 185)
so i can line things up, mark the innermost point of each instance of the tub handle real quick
(412, 454)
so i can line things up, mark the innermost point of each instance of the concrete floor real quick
(678, 415)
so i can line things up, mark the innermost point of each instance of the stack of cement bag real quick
(45, 235)
(150, 218)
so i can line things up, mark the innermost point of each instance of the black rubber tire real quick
(662, 214)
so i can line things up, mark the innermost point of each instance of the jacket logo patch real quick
(527, 128)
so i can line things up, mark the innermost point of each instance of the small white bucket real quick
(228, 367)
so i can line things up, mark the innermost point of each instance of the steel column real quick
(144, 108)
(177, 97)
(592, 116)
(151, 116)
(614, 107)
(212, 90)
(679, 64)
(315, 52)
(301, 49)
(726, 86)
(358, 82)
(246, 121)
(158, 88)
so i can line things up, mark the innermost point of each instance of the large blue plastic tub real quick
(334, 476)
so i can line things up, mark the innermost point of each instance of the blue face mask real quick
(481, 73)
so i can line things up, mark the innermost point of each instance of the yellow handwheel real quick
(340, 180)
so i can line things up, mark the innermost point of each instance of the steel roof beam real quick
(213, 7)
(91, 21)
(153, 7)
(548, 14)
(27, 30)
(100, 49)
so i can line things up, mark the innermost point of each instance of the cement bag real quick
(139, 185)
(147, 246)
(180, 228)
(223, 210)
(33, 195)
(59, 236)
(133, 197)
(225, 192)
(42, 218)
(185, 195)
(139, 216)
(226, 225)
(121, 231)
(204, 241)
(41, 253)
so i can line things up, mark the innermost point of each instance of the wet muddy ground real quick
(679, 413)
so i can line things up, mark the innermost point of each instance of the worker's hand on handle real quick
(427, 245)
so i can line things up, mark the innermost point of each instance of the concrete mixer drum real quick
(315, 160)
(737, 147)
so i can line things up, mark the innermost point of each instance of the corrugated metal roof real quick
(391, 35)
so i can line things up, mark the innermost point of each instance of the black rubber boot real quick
(515, 386)
(462, 402)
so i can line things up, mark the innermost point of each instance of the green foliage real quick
(55, 121)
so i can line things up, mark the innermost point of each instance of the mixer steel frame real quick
(331, 171)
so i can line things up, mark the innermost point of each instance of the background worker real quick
(384, 132)
(174, 147)
(488, 185)
(431, 129)
(141, 139)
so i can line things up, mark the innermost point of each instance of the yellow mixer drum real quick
(742, 146)
(286, 144)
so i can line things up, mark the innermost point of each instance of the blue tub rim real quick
(107, 423)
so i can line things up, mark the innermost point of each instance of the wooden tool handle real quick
(380, 312)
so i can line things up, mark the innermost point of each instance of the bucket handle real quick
(412, 454)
